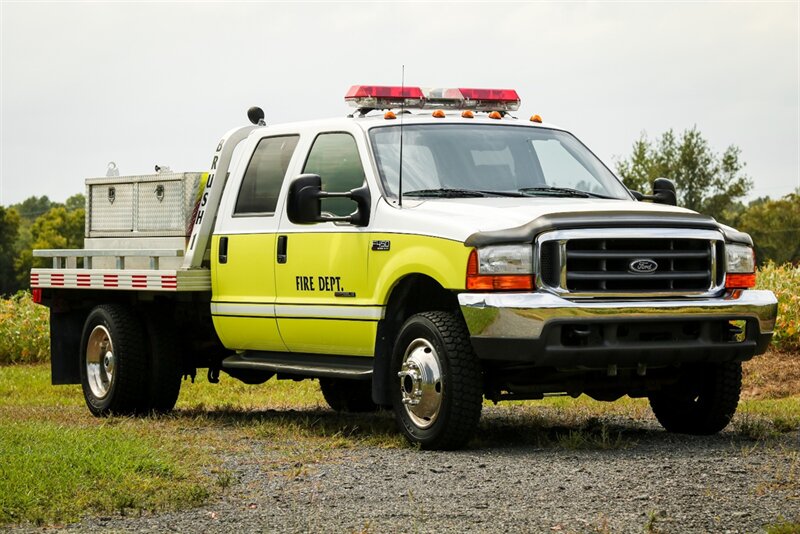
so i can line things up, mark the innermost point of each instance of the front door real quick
(322, 304)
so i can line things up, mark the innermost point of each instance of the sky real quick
(145, 83)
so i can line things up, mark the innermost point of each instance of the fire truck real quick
(429, 250)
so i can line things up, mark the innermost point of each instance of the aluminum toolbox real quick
(155, 205)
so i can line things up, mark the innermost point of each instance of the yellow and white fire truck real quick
(423, 253)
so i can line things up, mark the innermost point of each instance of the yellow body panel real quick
(247, 277)
(327, 336)
(332, 290)
(325, 275)
(444, 260)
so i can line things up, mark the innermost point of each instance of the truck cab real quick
(425, 252)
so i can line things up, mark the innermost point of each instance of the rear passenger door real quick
(243, 250)
(322, 303)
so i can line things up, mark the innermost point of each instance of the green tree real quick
(775, 228)
(705, 182)
(61, 226)
(9, 229)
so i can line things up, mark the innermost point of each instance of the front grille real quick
(630, 265)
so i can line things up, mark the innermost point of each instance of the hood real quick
(513, 219)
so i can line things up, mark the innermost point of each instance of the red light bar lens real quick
(382, 91)
(497, 95)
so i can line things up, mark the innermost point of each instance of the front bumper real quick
(543, 329)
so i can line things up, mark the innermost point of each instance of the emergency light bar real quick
(386, 97)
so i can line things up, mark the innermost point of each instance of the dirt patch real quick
(773, 375)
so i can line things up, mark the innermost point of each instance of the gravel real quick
(648, 481)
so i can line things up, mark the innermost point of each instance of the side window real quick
(264, 175)
(334, 157)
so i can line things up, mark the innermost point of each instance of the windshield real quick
(449, 160)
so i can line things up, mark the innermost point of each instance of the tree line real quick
(707, 182)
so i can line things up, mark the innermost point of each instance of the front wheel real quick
(113, 361)
(703, 400)
(437, 390)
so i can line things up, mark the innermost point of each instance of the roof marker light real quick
(389, 115)
(495, 115)
(468, 114)
(536, 118)
(438, 114)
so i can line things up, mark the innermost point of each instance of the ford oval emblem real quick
(642, 266)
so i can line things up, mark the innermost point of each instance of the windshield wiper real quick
(550, 191)
(444, 192)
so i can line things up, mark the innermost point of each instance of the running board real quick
(307, 365)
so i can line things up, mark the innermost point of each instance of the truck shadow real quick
(497, 430)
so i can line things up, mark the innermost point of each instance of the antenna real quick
(402, 112)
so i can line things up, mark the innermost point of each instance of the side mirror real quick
(304, 194)
(304, 206)
(663, 192)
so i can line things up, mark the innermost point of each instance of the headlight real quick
(739, 259)
(505, 259)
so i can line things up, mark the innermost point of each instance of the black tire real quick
(458, 393)
(348, 395)
(702, 402)
(117, 344)
(164, 369)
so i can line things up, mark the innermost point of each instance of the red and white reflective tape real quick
(141, 280)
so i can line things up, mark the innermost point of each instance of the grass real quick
(51, 472)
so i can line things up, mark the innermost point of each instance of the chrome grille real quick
(614, 262)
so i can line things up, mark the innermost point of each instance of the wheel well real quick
(413, 294)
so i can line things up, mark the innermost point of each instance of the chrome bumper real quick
(524, 326)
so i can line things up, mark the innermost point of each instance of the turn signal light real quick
(497, 282)
(740, 281)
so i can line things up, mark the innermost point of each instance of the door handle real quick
(282, 239)
(223, 249)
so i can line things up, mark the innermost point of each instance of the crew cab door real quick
(321, 278)
(244, 246)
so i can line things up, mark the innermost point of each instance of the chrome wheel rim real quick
(100, 362)
(421, 385)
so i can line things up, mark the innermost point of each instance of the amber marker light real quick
(495, 115)
(536, 118)
(467, 114)
(438, 114)
(740, 281)
(389, 115)
(498, 282)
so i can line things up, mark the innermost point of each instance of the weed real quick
(784, 527)
(784, 281)
(24, 330)
(753, 426)
(225, 478)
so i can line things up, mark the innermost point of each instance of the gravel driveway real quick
(640, 480)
